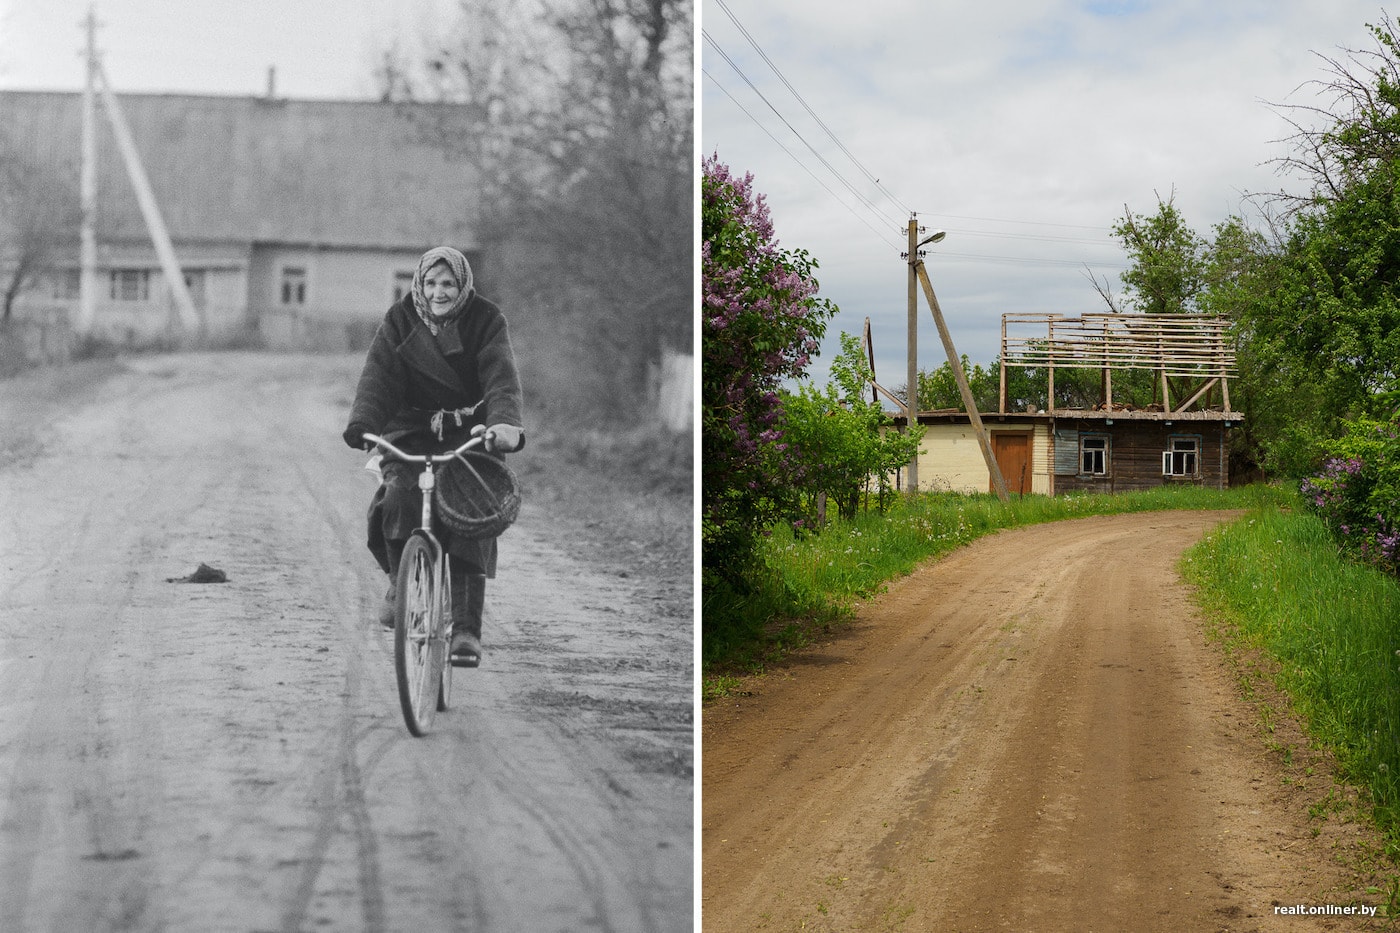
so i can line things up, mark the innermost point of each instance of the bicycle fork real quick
(441, 632)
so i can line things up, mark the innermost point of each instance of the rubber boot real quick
(468, 602)
(394, 551)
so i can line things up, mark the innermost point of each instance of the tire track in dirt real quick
(258, 773)
(1031, 733)
(114, 788)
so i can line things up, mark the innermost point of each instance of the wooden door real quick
(1013, 452)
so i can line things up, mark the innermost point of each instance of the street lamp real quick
(911, 392)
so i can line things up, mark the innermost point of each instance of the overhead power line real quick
(813, 149)
(794, 158)
(887, 224)
(820, 122)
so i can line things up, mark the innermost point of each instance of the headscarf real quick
(460, 268)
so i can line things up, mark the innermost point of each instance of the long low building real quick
(1076, 451)
(1182, 437)
(295, 222)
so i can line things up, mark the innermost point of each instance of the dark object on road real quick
(203, 574)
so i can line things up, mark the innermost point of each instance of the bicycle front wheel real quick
(418, 655)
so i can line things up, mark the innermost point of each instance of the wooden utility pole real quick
(983, 441)
(150, 211)
(87, 188)
(911, 393)
(870, 358)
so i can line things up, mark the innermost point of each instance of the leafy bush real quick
(761, 322)
(1357, 493)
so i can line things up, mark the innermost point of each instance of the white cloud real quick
(1039, 113)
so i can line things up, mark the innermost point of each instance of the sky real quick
(1024, 128)
(320, 48)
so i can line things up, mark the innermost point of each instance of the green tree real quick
(843, 440)
(939, 389)
(761, 322)
(1321, 339)
(1167, 260)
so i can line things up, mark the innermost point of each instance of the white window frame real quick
(1101, 447)
(293, 290)
(1182, 456)
(130, 284)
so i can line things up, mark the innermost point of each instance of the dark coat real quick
(408, 376)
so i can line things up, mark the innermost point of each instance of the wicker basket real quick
(477, 496)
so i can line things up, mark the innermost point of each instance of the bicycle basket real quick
(477, 496)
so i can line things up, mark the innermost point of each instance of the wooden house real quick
(1181, 437)
(295, 222)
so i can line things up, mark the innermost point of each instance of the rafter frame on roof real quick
(1190, 347)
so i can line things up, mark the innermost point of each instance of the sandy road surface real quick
(1031, 734)
(231, 757)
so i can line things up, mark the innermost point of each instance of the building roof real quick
(257, 169)
(957, 416)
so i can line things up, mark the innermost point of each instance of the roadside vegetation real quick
(1309, 577)
(1282, 585)
(804, 586)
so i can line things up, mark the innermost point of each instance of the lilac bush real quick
(1357, 492)
(760, 322)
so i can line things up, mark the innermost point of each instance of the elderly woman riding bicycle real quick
(440, 369)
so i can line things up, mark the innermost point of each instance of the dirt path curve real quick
(1031, 734)
(231, 757)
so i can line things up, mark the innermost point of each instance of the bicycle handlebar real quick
(424, 458)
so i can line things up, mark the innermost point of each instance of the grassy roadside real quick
(1276, 584)
(809, 584)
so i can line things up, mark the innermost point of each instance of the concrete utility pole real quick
(87, 187)
(983, 441)
(911, 393)
(150, 211)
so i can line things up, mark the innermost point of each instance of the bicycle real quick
(423, 592)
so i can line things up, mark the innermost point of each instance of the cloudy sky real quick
(320, 48)
(1020, 127)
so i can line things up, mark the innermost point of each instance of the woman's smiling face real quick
(441, 289)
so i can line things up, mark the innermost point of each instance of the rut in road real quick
(232, 757)
(1030, 734)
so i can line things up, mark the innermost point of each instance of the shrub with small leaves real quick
(1357, 492)
(761, 322)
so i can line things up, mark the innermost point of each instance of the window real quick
(194, 284)
(67, 284)
(1093, 455)
(293, 285)
(403, 283)
(1182, 457)
(131, 284)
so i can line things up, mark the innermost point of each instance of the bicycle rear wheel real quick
(418, 655)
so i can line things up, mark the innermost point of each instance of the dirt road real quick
(230, 756)
(1031, 734)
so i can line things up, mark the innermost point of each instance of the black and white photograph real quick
(347, 466)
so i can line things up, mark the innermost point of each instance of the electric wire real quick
(865, 201)
(794, 158)
(801, 100)
(747, 80)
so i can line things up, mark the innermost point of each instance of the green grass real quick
(1279, 582)
(805, 586)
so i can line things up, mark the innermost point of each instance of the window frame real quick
(293, 287)
(1185, 450)
(129, 284)
(1102, 451)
